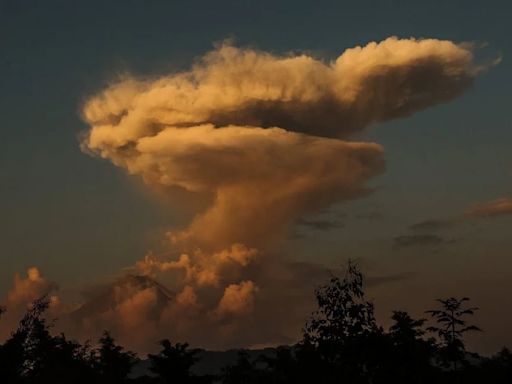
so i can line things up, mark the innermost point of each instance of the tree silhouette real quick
(342, 343)
(410, 353)
(405, 328)
(343, 329)
(243, 371)
(36, 336)
(343, 311)
(113, 363)
(173, 363)
(498, 369)
(282, 367)
(452, 327)
(12, 358)
(33, 355)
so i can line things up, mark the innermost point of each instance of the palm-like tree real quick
(452, 326)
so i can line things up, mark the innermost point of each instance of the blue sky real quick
(80, 219)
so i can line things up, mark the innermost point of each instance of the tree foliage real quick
(174, 362)
(113, 362)
(343, 312)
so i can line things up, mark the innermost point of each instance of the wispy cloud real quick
(494, 208)
(321, 225)
(432, 225)
(483, 210)
(418, 241)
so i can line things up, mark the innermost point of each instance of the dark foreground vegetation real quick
(342, 343)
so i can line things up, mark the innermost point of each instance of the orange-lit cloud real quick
(238, 299)
(27, 289)
(249, 129)
(200, 268)
(498, 207)
(241, 87)
(24, 291)
(131, 308)
(264, 138)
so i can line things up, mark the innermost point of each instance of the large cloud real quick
(232, 86)
(264, 137)
(230, 127)
(261, 179)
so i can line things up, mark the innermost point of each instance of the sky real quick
(433, 222)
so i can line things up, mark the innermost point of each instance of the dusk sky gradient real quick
(420, 235)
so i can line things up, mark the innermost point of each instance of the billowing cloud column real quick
(264, 137)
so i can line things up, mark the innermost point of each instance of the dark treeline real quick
(341, 343)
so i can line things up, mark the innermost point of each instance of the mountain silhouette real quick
(109, 297)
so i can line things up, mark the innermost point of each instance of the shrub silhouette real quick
(243, 371)
(410, 354)
(173, 363)
(113, 363)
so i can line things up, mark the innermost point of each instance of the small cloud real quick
(384, 279)
(418, 240)
(318, 272)
(238, 299)
(320, 225)
(494, 208)
(431, 225)
(370, 215)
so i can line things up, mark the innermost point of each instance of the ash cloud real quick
(284, 159)
(241, 87)
(265, 138)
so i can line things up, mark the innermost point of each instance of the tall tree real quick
(343, 330)
(343, 312)
(33, 355)
(23, 354)
(451, 327)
